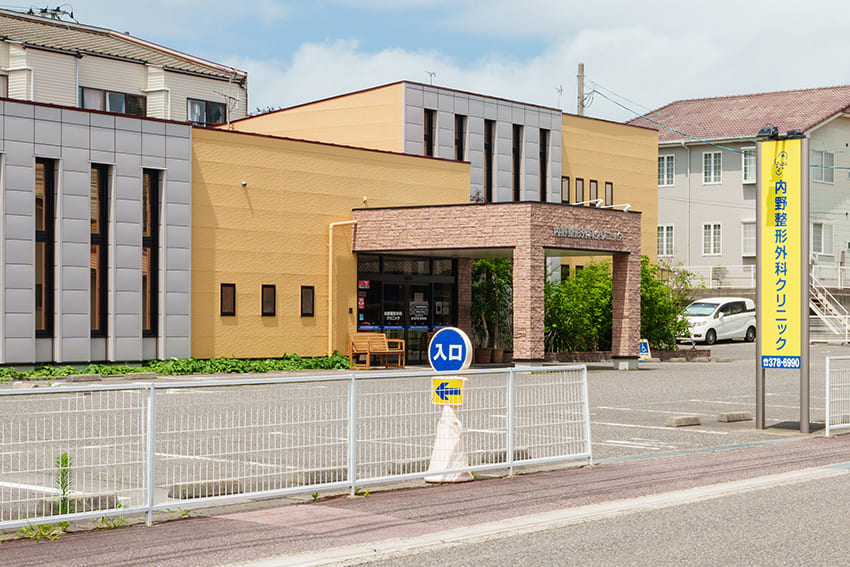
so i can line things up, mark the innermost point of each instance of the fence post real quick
(352, 433)
(511, 384)
(150, 454)
(828, 378)
(589, 446)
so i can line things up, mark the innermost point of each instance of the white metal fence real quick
(744, 276)
(837, 394)
(149, 447)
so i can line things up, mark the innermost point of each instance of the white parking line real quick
(656, 411)
(33, 487)
(684, 429)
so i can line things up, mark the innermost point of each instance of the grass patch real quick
(182, 366)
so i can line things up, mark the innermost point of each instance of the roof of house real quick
(741, 116)
(79, 39)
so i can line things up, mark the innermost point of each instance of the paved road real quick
(706, 499)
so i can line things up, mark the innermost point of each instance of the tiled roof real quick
(741, 116)
(69, 37)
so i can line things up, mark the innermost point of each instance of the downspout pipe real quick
(688, 227)
(331, 227)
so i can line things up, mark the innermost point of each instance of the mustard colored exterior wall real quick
(623, 155)
(367, 119)
(274, 230)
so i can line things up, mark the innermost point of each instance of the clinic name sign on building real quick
(587, 233)
(781, 254)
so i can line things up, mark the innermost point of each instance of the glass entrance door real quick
(418, 322)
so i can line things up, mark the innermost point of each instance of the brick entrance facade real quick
(527, 232)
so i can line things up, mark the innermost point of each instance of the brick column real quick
(464, 295)
(625, 332)
(529, 282)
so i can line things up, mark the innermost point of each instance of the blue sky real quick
(649, 53)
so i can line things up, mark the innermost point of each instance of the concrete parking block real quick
(682, 421)
(735, 416)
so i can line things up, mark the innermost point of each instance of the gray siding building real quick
(95, 236)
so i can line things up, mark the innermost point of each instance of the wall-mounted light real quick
(244, 184)
(364, 200)
(626, 206)
(596, 202)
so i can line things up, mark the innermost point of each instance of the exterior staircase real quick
(831, 320)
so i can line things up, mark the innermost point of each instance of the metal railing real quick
(837, 394)
(141, 448)
(829, 329)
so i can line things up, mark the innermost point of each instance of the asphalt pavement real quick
(649, 484)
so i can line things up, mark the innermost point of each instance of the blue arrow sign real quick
(444, 391)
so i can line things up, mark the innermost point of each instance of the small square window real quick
(308, 296)
(228, 300)
(268, 299)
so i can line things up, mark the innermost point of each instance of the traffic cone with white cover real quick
(449, 452)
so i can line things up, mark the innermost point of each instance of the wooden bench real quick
(363, 346)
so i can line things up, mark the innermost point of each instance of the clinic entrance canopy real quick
(528, 232)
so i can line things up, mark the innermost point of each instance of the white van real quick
(716, 318)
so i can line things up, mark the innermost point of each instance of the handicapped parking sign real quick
(644, 350)
(450, 350)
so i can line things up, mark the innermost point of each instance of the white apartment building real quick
(707, 178)
(69, 64)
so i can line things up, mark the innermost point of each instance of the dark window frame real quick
(46, 237)
(140, 101)
(207, 104)
(579, 190)
(460, 137)
(308, 294)
(273, 290)
(151, 189)
(565, 184)
(429, 129)
(516, 161)
(99, 244)
(593, 190)
(544, 165)
(229, 310)
(609, 193)
(489, 148)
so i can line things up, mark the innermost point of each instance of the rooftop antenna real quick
(431, 74)
(232, 104)
(54, 13)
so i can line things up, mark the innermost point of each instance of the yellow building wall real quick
(626, 156)
(367, 119)
(274, 230)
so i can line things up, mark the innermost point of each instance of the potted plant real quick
(492, 307)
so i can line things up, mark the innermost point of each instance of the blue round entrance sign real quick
(450, 350)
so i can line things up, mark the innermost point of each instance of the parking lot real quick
(629, 408)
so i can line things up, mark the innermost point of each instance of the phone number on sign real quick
(780, 362)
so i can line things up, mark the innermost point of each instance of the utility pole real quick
(580, 94)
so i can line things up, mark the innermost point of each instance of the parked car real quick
(716, 318)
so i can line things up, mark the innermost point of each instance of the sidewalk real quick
(387, 519)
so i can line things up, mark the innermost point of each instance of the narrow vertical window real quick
(489, 145)
(460, 137)
(429, 132)
(268, 301)
(544, 165)
(308, 293)
(517, 160)
(228, 300)
(45, 206)
(711, 168)
(609, 193)
(98, 264)
(665, 240)
(150, 250)
(579, 190)
(594, 190)
(565, 190)
(748, 164)
(711, 239)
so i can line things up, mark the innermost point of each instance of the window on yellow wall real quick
(228, 300)
(268, 301)
(308, 298)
